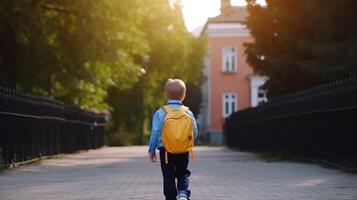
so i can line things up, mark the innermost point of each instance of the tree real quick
(89, 53)
(174, 53)
(70, 50)
(302, 43)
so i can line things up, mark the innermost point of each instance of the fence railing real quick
(319, 123)
(32, 127)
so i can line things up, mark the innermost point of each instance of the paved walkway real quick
(218, 173)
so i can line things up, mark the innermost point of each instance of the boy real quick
(172, 165)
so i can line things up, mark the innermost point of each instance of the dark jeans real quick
(176, 168)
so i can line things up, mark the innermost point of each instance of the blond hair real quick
(175, 89)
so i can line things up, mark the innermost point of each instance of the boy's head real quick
(175, 89)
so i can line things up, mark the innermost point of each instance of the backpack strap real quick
(167, 109)
(183, 108)
(166, 157)
(193, 155)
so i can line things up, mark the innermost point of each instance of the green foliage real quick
(70, 50)
(301, 43)
(126, 118)
(174, 53)
(89, 53)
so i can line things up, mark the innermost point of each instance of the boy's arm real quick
(155, 131)
(194, 123)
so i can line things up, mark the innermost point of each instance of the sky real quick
(196, 12)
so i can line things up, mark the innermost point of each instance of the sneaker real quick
(182, 197)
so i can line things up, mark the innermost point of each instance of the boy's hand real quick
(152, 157)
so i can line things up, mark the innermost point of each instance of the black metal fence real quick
(32, 127)
(319, 123)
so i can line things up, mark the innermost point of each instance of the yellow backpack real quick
(177, 131)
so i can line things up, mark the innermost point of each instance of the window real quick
(229, 104)
(229, 59)
(262, 96)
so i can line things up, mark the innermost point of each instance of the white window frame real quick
(229, 56)
(229, 104)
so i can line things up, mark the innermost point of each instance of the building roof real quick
(235, 14)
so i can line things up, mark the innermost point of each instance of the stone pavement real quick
(218, 173)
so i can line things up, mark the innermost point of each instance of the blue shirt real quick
(157, 122)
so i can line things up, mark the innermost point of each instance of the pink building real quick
(230, 83)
